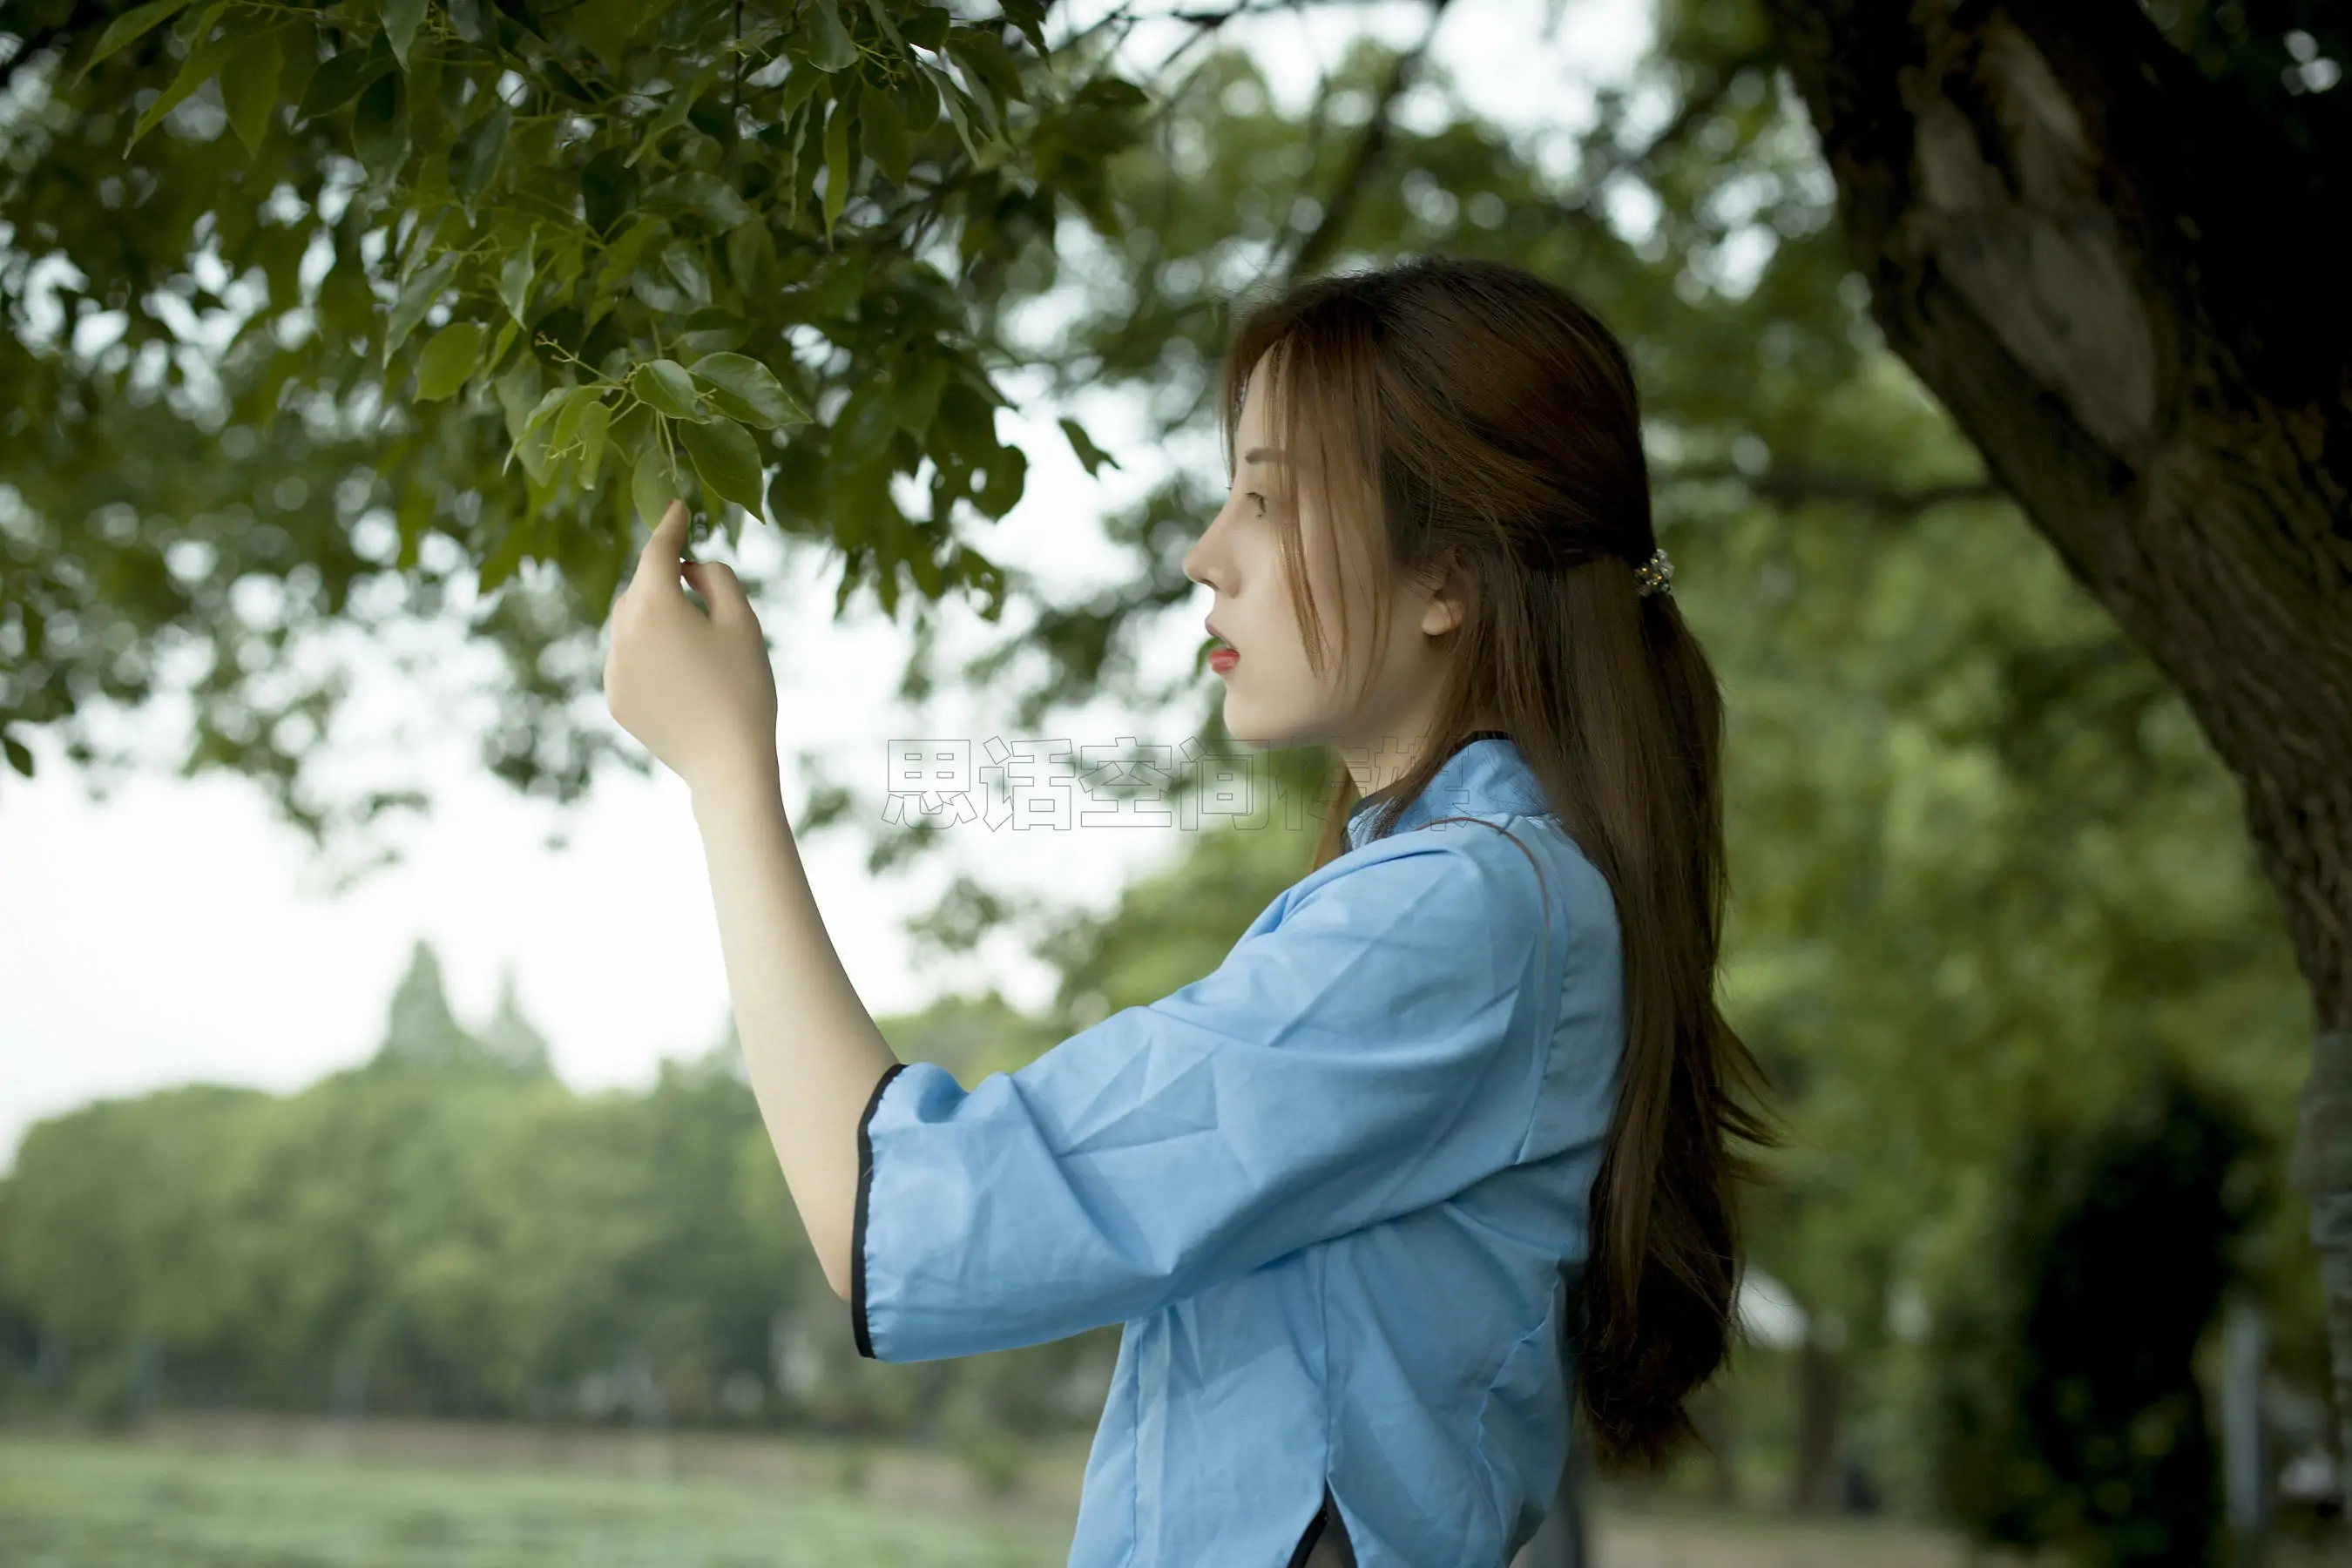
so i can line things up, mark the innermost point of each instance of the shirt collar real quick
(1484, 776)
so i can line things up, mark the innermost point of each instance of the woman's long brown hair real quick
(1448, 412)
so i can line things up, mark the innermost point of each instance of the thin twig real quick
(1319, 243)
(1796, 486)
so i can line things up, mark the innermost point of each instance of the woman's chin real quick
(1241, 721)
(1263, 732)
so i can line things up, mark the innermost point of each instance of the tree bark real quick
(1563, 1540)
(1819, 1386)
(2109, 270)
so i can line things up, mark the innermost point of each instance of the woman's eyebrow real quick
(1264, 454)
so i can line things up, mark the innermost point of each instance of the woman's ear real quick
(1449, 599)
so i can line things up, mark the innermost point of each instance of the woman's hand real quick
(697, 689)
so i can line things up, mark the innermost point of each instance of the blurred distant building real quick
(512, 1038)
(420, 1031)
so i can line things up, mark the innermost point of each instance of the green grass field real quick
(74, 1504)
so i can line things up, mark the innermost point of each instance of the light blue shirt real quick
(1335, 1192)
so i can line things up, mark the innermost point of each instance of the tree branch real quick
(83, 17)
(1325, 235)
(1586, 208)
(1796, 486)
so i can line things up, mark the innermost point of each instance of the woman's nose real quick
(1205, 562)
(1196, 561)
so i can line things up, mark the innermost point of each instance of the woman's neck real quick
(1380, 767)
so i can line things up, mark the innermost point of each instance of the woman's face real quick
(1273, 697)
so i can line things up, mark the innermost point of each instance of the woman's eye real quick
(1259, 499)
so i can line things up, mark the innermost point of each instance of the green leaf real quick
(830, 47)
(664, 386)
(728, 460)
(795, 187)
(401, 20)
(516, 277)
(837, 165)
(682, 265)
(505, 556)
(608, 188)
(673, 113)
(554, 398)
(883, 133)
(380, 126)
(747, 390)
(448, 358)
(864, 425)
(499, 344)
(474, 156)
(918, 389)
(952, 97)
(1092, 456)
(799, 85)
(573, 410)
(649, 281)
(653, 485)
(703, 193)
(1006, 476)
(980, 105)
(204, 60)
(532, 451)
(989, 60)
(928, 27)
(605, 26)
(518, 390)
(341, 77)
(751, 260)
(248, 85)
(466, 21)
(800, 488)
(919, 101)
(415, 299)
(632, 430)
(298, 64)
(133, 24)
(836, 293)
(620, 257)
(594, 421)
(713, 329)
(196, 25)
(20, 756)
(1029, 15)
(882, 19)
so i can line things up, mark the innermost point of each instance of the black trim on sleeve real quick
(857, 1220)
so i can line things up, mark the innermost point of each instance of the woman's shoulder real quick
(1522, 863)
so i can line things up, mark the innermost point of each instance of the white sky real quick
(176, 933)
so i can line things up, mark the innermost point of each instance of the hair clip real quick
(1655, 575)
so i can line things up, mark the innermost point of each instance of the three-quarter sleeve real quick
(1373, 1044)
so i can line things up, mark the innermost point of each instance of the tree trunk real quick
(1819, 1390)
(2246, 1468)
(2108, 268)
(1563, 1540)
(1712, 1414)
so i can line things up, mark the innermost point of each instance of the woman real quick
(1447, 1141)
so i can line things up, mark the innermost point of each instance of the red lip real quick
(1224, 659)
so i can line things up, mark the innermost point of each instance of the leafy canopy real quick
(512, 275)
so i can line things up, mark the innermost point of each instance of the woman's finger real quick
(662, 551)
(715, 582)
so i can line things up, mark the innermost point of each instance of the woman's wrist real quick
(730, 786)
